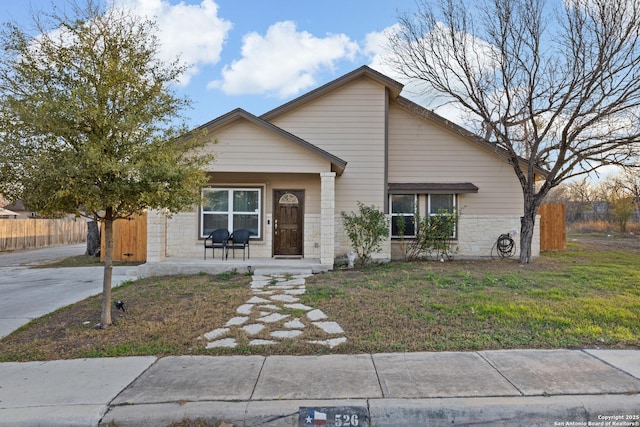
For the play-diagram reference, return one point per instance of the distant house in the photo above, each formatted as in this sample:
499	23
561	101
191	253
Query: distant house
287	175
18	210
6	213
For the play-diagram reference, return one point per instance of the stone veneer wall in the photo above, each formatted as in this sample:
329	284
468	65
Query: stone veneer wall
478	233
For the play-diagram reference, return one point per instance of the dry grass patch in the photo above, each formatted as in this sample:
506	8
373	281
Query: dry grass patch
587	296
163	317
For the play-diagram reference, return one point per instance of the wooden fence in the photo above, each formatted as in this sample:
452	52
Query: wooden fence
29	233
553	229
129	239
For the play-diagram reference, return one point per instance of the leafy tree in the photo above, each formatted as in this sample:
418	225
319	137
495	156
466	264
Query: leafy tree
555	87
629	181
366	230
618	191
87	122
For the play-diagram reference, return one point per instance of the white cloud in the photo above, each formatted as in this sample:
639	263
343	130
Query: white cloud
194	33
378	49
283	62
376	46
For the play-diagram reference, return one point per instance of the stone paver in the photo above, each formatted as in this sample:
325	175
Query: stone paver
226	342
329	327
316	315
286	334
284	298
299	306
294	324
236	321
244	309
264	317
273	318
253	328
212	335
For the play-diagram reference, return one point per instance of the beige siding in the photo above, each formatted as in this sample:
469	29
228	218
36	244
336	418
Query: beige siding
244	147
424	151
348	123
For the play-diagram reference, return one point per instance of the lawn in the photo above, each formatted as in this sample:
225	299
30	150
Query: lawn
586	296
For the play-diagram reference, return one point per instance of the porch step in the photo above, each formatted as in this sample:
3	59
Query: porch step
256	266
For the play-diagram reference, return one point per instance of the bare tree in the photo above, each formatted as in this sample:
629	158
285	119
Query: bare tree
589	197
556	87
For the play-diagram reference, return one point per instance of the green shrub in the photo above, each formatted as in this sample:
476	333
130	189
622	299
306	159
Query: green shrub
434	236
366	230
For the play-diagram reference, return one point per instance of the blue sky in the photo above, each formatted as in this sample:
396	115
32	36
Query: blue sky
256	54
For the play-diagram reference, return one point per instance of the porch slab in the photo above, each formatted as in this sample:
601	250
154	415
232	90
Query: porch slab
257	266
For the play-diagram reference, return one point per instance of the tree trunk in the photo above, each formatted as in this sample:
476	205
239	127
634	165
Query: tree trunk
93	239
105	318
527	228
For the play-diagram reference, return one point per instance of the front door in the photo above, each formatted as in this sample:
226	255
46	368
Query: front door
288	216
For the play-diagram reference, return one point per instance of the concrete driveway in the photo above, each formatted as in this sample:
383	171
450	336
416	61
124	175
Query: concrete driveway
27	293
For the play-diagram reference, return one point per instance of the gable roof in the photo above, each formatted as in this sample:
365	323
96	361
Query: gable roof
394	87
337	164
7	212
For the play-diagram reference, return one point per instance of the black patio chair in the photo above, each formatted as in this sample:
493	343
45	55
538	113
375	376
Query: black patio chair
217	239
240	240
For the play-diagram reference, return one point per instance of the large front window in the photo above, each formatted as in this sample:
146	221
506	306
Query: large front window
231	209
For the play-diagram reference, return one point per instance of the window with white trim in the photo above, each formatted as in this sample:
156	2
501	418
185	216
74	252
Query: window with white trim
437	204
231	209
403	207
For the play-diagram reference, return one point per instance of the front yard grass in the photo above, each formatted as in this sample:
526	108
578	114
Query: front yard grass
587	296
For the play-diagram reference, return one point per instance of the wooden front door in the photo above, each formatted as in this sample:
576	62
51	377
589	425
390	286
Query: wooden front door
288	219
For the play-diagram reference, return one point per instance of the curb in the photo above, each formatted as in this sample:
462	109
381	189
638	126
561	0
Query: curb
565	410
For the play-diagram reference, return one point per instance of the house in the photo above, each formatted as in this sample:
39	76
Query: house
18	210
6	213
287	175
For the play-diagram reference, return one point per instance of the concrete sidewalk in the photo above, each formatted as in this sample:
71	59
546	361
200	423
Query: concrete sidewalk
505	387
40	256
28	293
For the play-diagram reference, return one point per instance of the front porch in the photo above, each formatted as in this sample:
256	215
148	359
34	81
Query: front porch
263	266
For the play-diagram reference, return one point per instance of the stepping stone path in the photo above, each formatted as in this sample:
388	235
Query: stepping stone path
273	298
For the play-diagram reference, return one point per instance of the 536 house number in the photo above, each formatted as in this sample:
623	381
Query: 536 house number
345	420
